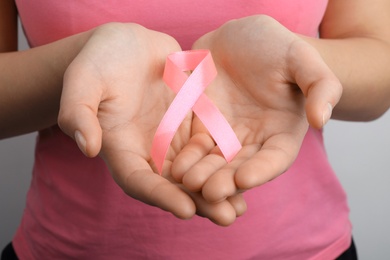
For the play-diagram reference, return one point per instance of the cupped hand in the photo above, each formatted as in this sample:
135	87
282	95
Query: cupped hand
112	102
270	86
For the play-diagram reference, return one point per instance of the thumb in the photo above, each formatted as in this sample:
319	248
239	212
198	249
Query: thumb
322	96
78	111
318	83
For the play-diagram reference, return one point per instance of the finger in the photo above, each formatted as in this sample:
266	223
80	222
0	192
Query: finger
320	86
221	185
134	176
154	190
222	213
321	99
239	204
78	112
198	174
274	158
197	148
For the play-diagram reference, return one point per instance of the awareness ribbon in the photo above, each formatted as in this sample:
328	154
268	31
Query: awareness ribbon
189	90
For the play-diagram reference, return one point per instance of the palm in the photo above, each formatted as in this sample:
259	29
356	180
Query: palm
256	89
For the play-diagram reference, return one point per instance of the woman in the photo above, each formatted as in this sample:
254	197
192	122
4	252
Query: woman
273	73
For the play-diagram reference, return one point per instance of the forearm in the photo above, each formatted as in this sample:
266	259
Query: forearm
31	85
361	65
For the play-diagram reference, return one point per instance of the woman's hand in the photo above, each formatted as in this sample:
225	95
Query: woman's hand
112	102
270	86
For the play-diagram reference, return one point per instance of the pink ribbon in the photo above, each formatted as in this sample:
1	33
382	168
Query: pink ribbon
189	96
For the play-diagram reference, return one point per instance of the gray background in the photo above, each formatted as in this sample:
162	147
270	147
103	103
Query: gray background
359	152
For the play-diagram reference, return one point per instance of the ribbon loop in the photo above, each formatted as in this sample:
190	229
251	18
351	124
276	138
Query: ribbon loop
189	96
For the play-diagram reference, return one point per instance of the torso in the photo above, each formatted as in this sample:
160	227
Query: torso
302	214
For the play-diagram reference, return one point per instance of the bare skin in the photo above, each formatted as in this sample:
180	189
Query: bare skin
261	61
278	95
260	66
112	102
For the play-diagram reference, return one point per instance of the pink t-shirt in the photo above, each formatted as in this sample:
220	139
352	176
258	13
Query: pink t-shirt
76	211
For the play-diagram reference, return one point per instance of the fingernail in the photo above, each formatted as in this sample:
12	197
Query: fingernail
327	114
80	140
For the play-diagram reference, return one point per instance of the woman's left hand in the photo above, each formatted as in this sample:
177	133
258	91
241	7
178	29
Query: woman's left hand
270	86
